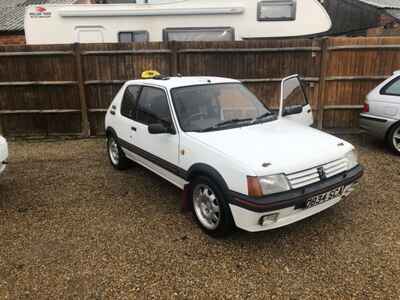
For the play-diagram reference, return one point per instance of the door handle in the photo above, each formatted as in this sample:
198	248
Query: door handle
133	128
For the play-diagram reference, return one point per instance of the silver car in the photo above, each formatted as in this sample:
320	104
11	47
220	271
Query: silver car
381	113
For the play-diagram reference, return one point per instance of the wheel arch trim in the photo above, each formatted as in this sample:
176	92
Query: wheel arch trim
207	170
390	128
111	130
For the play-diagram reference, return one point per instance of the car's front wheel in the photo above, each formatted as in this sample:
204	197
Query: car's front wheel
116	155
394	138
210	208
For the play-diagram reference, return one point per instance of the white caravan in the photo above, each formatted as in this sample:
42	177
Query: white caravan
185	20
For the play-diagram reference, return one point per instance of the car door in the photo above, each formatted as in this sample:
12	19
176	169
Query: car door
126	129
293	102
160	151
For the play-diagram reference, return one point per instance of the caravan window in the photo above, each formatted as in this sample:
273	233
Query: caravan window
199	34
277	10
133	36
89	34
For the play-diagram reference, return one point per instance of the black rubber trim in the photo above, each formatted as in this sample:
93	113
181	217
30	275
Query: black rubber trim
210	172
154	159
296	197
374	119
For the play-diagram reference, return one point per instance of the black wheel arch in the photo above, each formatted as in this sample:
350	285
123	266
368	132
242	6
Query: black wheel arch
201	169
388	132
111	132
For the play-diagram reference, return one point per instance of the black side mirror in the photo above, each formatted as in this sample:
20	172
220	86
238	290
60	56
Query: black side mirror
292	110
160	129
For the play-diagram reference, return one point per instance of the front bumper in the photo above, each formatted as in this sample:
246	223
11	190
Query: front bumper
290	206
376	126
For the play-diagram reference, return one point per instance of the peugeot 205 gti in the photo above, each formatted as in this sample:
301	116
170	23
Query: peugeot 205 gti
239	163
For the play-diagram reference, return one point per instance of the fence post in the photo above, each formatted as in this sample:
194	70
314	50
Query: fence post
174	58
322	81
85	126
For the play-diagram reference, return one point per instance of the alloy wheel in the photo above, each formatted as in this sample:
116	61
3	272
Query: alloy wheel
113	150
206	206
396	139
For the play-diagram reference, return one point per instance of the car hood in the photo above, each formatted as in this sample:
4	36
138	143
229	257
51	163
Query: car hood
285	146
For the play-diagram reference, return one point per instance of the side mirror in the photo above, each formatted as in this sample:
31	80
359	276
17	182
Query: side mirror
292	110
160	129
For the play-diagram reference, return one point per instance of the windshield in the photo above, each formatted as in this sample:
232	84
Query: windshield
216	106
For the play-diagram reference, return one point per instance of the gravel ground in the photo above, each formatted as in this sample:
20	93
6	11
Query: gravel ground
72	227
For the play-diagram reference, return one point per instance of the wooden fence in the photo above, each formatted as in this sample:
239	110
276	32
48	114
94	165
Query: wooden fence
66	89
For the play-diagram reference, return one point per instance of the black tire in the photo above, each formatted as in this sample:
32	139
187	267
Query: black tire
225	224
119	161
393	142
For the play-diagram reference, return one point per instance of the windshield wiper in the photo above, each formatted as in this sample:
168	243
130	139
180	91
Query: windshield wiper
224	123
263	116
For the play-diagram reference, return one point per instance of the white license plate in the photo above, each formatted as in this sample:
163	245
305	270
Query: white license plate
325	197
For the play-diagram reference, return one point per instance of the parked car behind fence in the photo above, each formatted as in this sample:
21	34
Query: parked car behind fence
381	113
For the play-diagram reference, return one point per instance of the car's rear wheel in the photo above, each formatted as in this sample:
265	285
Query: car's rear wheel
116	155
210	208
394	138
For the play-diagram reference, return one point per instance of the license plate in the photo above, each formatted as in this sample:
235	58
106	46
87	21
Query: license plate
325	197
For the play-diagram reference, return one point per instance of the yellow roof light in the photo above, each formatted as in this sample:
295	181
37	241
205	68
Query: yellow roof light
150	74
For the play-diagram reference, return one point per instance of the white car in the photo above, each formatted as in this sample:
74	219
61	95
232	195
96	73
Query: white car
238	162
3	154
381	113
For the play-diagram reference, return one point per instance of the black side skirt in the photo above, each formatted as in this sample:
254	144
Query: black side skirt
154	159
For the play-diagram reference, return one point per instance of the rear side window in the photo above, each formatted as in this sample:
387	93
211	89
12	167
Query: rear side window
277	10
129	102
133	37
153	107
210	34
392	88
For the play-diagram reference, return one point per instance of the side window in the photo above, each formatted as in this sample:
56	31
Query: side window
293	93
276	10
128	105
133	37
199	34
153	107
392	88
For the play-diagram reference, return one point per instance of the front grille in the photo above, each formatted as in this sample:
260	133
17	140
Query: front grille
310	176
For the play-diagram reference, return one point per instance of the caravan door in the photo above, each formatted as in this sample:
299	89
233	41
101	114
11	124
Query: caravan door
293	102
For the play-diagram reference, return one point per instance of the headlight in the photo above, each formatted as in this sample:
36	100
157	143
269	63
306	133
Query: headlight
352	159
267	185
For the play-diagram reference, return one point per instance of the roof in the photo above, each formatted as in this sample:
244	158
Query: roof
394	13
392	7
12	12
383	3
175	82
